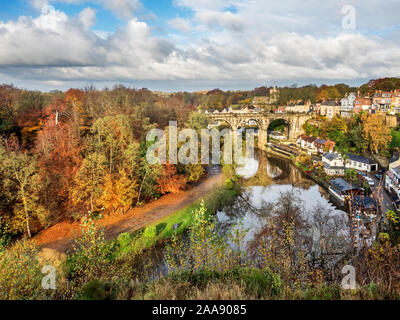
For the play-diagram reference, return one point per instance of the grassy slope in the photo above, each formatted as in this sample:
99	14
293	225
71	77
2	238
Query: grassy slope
182	217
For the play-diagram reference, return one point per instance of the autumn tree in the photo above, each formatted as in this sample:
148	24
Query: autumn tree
122	189
88	182
9	96
21	188
376	133
323	95
74	98
112	135
59	147
170	181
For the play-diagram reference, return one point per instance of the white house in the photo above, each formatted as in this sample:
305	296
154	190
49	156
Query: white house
392	180
334	164
360	163
307	143
347	105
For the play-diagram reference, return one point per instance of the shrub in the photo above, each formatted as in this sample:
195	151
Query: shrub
305	160
124	239
20	273
229	184
96	290
150	232
92	255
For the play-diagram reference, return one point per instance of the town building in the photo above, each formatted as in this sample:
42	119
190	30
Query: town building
347	105
363	208
394	161
299	107
396	102
392	181
307	143
324	145
362	104
330	109
260	101
341	189
382	100
334	164
315	145
361	163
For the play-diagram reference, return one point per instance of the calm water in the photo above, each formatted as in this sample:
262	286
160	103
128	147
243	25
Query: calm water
272	177
263	180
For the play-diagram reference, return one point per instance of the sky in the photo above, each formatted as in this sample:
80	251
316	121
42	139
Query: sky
189	45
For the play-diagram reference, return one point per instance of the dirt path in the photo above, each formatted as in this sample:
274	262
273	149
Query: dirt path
59	236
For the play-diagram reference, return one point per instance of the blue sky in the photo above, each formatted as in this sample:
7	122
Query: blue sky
175	45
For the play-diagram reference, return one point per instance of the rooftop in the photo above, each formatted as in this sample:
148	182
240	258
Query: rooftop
343	185
361	159
364	202
332	156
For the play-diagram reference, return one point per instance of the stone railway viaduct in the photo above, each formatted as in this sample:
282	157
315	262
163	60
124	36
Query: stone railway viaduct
294	122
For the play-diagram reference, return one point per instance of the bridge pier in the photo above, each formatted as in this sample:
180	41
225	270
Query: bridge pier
262	138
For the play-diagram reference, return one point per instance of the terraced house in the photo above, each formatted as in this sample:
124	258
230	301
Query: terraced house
382	100
392	180
347	105
330	109
335	164
362	104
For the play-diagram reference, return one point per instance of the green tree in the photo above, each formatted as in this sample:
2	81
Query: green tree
356	136
395	143
21	185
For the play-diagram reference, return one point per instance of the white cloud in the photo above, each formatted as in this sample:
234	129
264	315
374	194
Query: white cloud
181	24
88	17
124	9
228	41
39	4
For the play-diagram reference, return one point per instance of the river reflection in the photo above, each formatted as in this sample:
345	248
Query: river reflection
261	187
261	190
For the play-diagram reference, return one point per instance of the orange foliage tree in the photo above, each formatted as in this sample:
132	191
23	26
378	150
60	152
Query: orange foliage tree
170	181
59	147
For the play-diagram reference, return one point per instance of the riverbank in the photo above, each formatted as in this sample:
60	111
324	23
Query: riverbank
59	237
163	229
306	172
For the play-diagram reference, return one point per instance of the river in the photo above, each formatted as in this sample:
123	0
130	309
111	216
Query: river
263	180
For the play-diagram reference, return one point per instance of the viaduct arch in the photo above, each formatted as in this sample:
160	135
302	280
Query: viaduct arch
294	122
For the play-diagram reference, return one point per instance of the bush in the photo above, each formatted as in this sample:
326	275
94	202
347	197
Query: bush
96	290
20	273
256	282
229	184
305	160
150	232
324	292
124	239
92	255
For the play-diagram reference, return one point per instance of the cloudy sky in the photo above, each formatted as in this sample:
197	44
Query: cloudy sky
176	45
